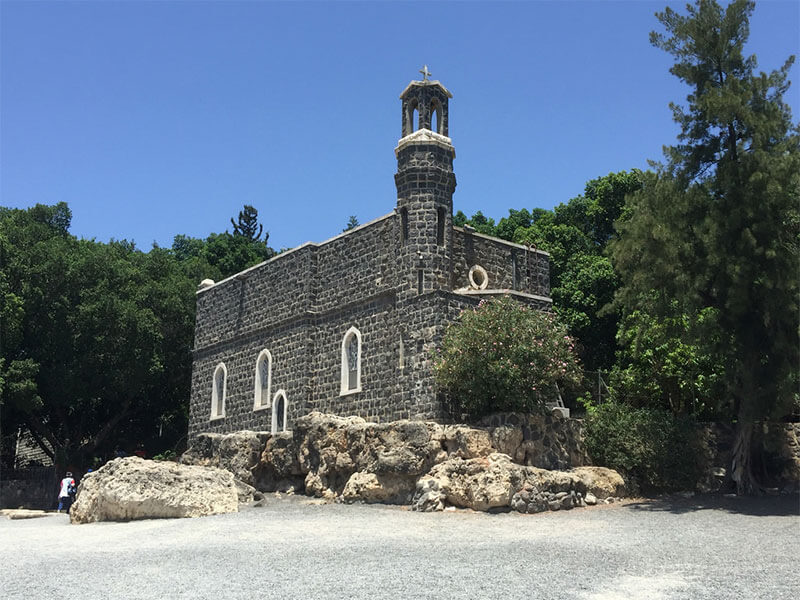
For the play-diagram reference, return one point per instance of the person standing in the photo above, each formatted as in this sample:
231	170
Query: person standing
66	493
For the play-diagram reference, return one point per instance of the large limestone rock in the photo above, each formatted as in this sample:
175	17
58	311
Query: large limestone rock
467	442
133	488
495	482
477	483
279	469
239	452
332	449
484	468
602	482
371	488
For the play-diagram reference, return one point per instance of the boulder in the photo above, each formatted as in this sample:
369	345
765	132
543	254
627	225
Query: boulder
134	488
332	449
495	482
508	440
601	482
279	468
238	452
467	442
372	487
476	483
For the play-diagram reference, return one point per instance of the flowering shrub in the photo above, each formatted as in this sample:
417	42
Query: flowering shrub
503	356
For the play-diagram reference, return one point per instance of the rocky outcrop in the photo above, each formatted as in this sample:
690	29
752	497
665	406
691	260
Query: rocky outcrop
501	465
333	449
601	482
133	488
238	452
495	482
278	469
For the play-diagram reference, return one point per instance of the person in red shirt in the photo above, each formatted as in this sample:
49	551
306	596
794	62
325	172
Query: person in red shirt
66	493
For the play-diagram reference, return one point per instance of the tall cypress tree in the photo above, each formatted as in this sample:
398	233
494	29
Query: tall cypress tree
716	230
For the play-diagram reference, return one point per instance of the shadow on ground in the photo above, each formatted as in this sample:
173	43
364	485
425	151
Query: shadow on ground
764	506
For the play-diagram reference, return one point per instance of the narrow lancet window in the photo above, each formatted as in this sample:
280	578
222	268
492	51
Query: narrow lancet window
218	390
351	362
440	226
279	408
263	380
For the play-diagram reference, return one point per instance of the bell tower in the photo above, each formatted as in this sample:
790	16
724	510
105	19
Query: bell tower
425	184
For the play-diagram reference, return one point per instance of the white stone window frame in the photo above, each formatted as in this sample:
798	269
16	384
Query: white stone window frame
344	389
217	401
264	357
478	277
274	423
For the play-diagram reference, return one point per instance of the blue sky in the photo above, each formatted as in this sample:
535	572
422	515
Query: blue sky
157	118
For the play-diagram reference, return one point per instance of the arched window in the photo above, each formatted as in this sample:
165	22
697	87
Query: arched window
218	388
263	380
351	362
436	117
404	224
440	214
412	117
279	405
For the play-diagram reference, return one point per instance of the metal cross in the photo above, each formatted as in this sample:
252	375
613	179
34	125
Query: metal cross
425	73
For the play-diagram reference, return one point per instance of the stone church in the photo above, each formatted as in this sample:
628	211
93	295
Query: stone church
348	326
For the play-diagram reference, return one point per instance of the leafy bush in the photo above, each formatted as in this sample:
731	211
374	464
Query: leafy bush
166	455
655	449
503	356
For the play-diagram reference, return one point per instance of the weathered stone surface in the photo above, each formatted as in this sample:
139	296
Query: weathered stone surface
496	482
478	483
239	452
467	442
547	441
507	439
133	488
372	487
279	468
23	513
332	449
349	458
601	482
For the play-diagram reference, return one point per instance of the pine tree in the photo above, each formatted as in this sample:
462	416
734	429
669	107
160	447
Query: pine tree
716	230
352	223
247	225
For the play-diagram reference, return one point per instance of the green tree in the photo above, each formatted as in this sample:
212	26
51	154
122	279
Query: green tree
508	226
503	356
663	365
717	227
582	279
98	350
352	223
247	225
478	222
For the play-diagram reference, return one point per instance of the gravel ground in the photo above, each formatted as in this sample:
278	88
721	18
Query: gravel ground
700	548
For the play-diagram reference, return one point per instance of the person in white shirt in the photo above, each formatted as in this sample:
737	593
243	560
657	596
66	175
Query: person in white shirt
66	492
